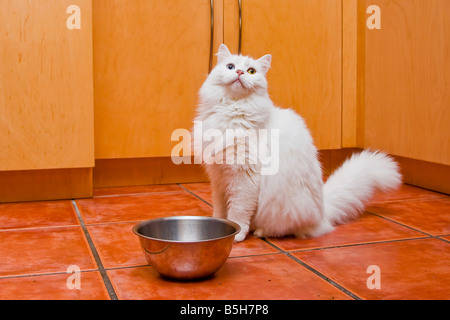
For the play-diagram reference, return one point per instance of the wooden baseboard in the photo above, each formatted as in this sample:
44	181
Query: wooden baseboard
51	184
144	171
33	185
332	159
428	175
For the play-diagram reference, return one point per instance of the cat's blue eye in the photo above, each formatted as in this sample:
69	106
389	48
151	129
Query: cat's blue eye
230	66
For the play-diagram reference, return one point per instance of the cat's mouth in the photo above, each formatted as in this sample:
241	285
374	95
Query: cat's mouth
237	82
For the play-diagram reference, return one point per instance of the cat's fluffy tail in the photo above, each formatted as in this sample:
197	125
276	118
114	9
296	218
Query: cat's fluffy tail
351	186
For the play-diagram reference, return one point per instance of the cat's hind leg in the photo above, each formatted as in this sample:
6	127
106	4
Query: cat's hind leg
259	233
323	227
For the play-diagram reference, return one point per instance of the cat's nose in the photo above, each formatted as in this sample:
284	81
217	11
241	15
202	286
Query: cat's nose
239	72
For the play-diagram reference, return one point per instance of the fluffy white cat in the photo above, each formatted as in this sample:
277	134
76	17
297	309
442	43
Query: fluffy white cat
294	200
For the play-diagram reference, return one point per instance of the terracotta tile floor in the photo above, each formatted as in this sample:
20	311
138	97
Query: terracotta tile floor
404	237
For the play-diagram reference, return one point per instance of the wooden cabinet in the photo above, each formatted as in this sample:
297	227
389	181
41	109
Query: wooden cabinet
46	99
46	87
304	38
407	80
150	59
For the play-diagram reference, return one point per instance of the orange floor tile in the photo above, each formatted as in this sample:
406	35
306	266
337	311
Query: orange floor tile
398	249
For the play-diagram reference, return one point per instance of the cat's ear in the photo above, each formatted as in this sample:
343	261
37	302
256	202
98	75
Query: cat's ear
223	53
265	61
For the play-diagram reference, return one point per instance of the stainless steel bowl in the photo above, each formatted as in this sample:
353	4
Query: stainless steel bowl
186	247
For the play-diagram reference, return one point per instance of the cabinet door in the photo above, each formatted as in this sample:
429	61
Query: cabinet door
304	38
46	85
407	80
150	59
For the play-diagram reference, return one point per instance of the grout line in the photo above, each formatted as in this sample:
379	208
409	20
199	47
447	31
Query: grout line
129	267
41	227
442	239
401	224
101	268
112	222
316	272
272	245
321	275
256	255
26	275
359	244
198	197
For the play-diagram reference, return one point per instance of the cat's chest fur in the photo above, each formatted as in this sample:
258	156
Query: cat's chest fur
245	114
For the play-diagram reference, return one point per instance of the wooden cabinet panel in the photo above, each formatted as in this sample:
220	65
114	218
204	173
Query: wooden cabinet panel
407	80
46	87
150	60
304	38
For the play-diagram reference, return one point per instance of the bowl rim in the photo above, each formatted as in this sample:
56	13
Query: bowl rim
226	221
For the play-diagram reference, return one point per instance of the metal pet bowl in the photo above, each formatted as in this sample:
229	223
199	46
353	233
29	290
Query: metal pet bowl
186	247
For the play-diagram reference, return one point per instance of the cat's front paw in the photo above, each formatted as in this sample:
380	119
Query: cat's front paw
243	232
240	237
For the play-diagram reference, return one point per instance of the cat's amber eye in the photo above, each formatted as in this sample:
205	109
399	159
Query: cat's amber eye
251	70
230	66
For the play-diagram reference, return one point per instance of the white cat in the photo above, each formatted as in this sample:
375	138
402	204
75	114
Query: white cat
294	200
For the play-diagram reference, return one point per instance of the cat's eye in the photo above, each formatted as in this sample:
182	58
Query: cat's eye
251	70
230	66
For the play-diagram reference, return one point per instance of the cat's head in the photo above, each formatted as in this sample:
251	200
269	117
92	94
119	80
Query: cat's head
240	76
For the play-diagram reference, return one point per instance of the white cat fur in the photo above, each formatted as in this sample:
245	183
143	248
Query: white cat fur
294	201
